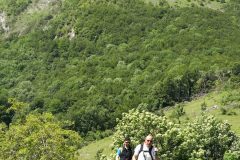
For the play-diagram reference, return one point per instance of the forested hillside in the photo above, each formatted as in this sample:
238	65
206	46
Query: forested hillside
89	61
94	60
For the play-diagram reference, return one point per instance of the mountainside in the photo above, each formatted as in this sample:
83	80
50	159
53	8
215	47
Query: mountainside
90	61
120	68
214	103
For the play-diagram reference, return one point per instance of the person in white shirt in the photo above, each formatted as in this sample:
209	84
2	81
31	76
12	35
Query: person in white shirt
145	151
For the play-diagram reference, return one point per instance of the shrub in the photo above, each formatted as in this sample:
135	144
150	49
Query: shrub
205	138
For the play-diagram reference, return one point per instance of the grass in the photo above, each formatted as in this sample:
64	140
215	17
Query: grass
192	109
31	17
89	152
233	120
214	104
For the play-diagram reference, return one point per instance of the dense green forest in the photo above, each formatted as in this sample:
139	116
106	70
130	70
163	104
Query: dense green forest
87	62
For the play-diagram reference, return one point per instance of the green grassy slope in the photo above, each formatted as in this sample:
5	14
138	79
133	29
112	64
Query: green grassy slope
89	152
25	16
215	103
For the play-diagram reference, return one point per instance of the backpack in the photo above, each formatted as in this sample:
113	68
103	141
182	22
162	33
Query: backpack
150	150
126	154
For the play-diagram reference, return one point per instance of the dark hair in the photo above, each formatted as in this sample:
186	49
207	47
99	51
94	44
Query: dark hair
126	139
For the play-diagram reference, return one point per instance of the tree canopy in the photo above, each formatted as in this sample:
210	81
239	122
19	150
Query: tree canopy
90	61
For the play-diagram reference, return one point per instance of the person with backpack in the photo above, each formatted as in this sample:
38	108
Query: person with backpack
145	151
125	152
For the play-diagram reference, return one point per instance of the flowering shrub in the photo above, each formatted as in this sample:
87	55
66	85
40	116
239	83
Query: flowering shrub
234	152
205	138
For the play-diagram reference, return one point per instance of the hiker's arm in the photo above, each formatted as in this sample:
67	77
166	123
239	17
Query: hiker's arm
118	153
136	152
156	154
134	157
117	157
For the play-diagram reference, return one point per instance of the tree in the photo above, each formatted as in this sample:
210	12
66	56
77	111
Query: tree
40	136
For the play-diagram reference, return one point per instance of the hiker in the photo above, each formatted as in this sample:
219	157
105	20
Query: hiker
145	151
125	152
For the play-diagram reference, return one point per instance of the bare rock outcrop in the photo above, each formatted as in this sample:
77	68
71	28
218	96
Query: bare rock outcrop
3	23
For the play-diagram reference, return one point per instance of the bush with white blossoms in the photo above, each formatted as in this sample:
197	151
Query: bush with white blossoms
234	152
205	138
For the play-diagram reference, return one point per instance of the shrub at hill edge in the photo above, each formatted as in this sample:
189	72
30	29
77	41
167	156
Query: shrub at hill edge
205	138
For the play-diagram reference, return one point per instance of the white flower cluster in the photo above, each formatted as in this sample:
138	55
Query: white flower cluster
205	138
